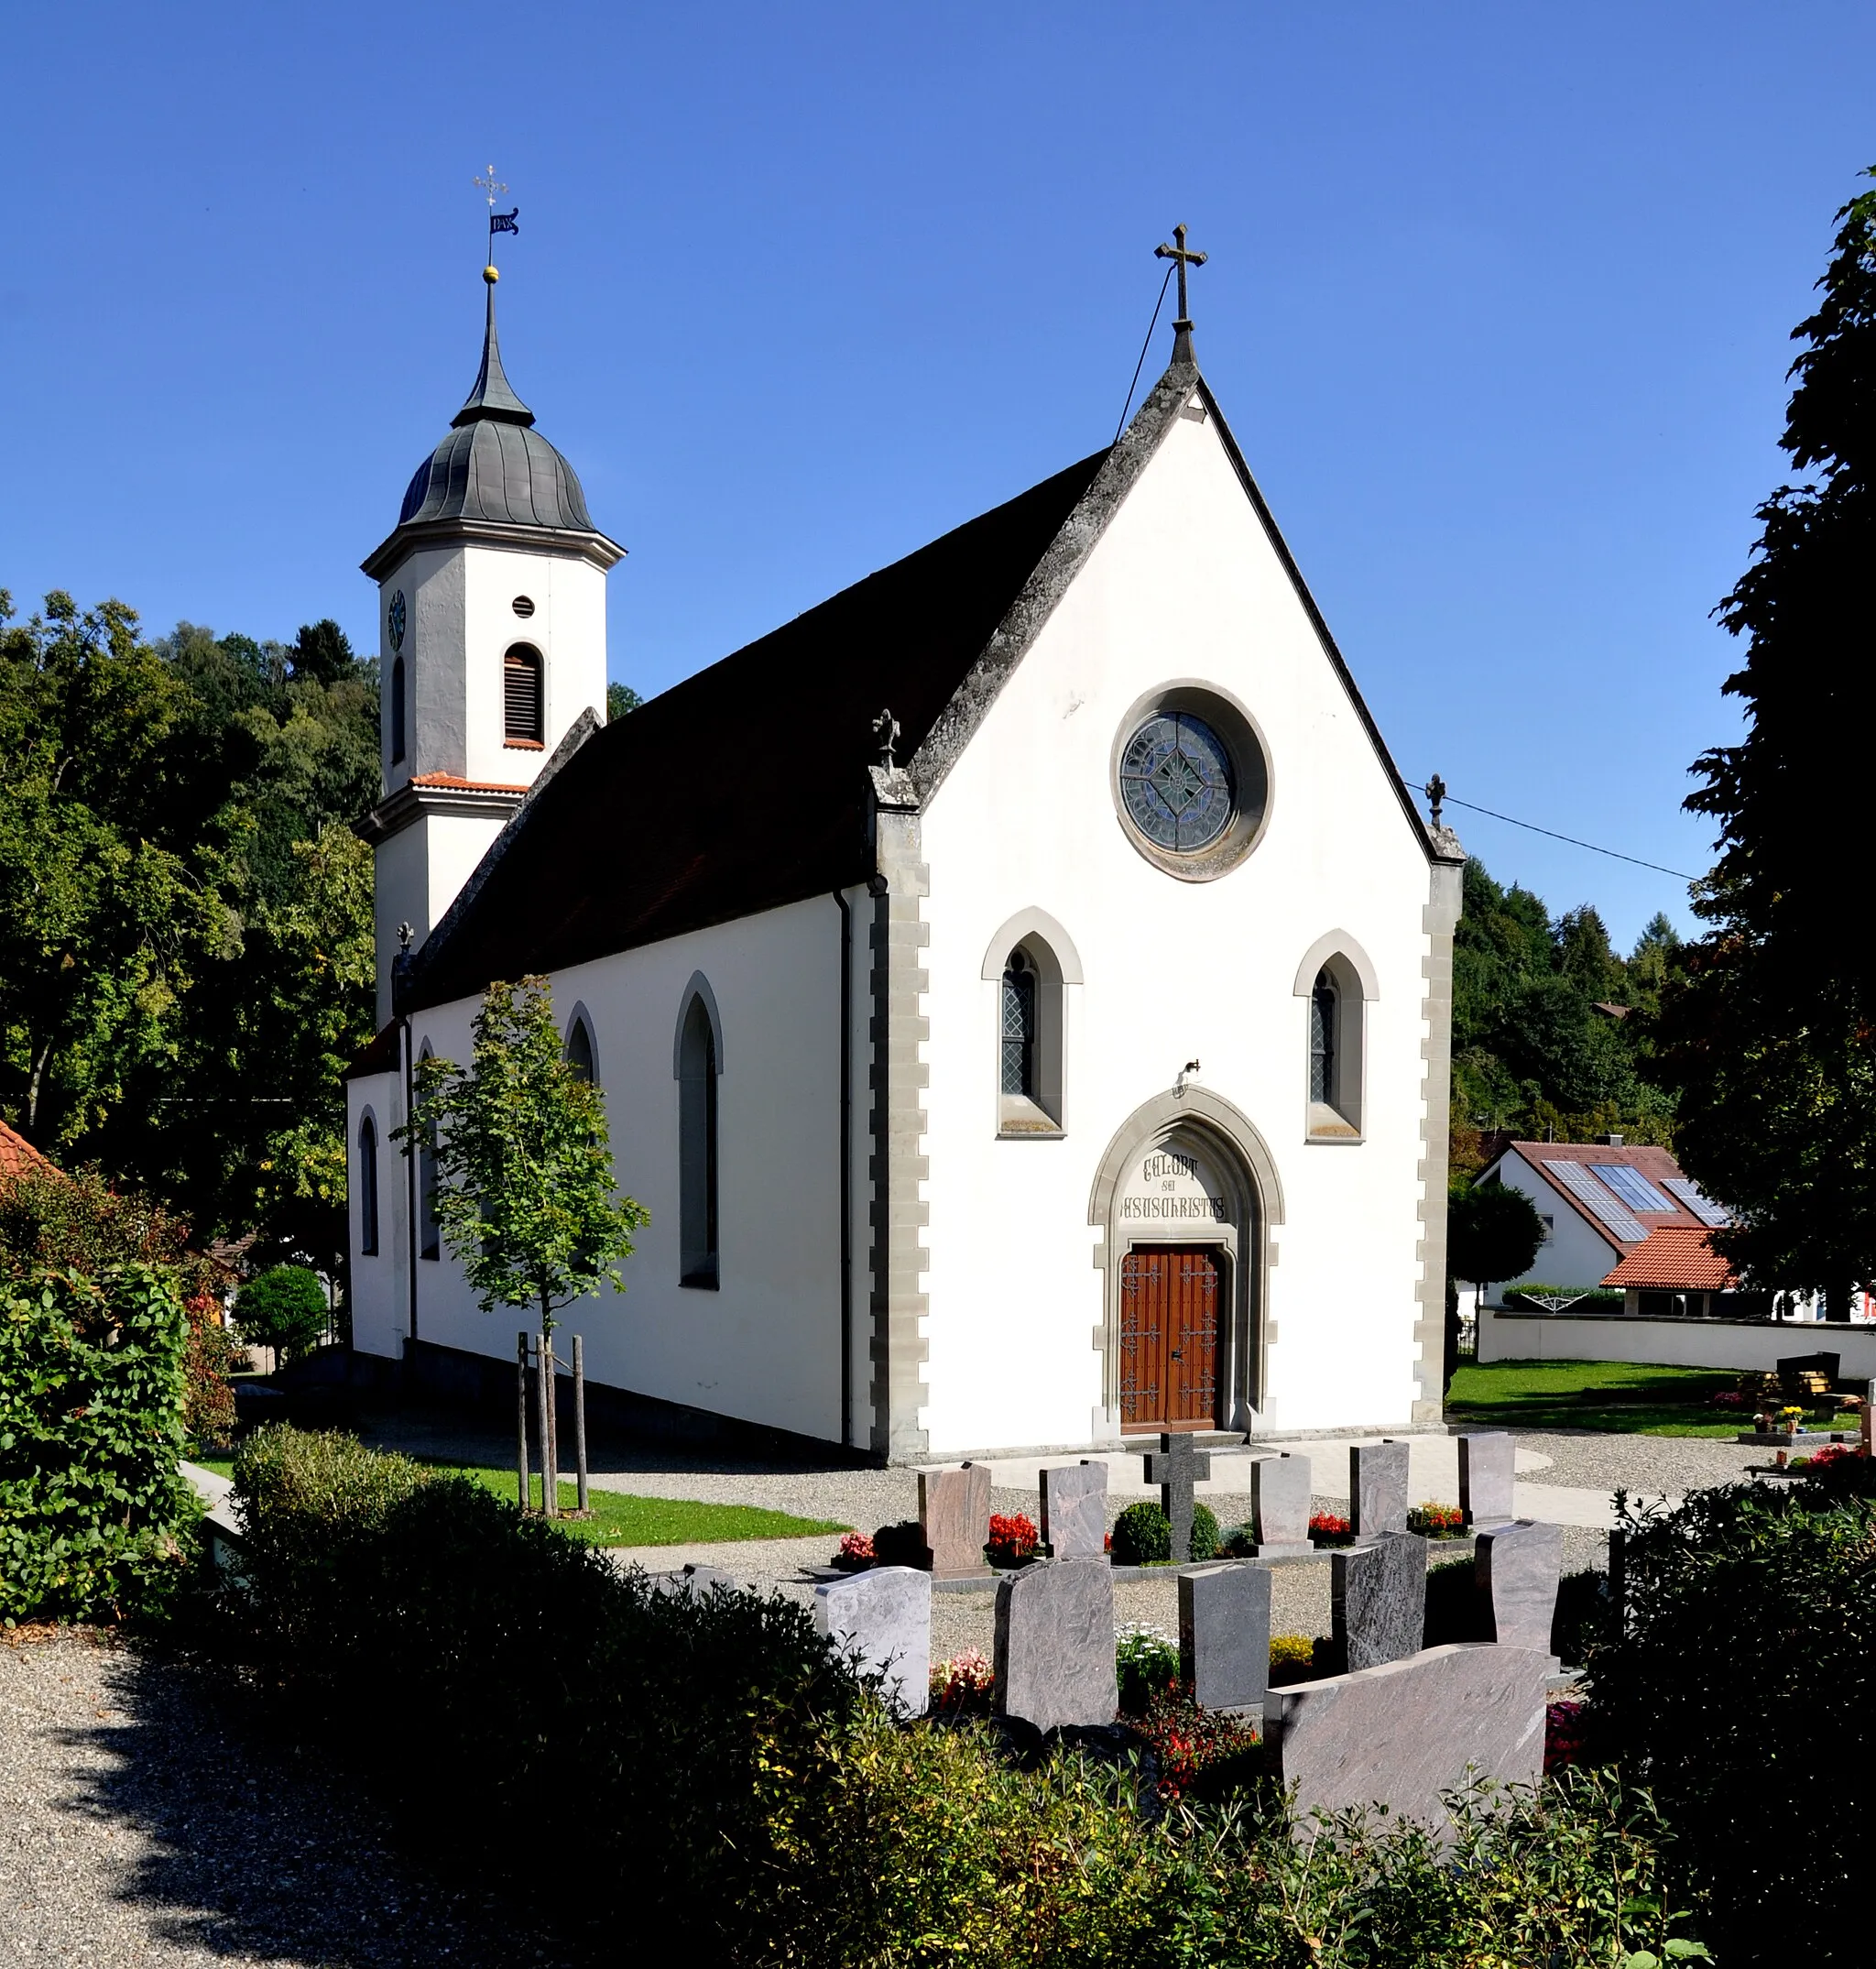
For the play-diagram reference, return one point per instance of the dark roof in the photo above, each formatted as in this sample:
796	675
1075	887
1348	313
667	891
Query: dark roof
492	466
745	786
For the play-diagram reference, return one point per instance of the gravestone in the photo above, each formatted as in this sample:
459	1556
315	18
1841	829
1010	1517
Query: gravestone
1401	1733
1519	1567
1377	1488
954	1517
1280	1505
1486	1463
1175	1467
1075	1510
1225	1635
1055	1651
1378	1599
883	1617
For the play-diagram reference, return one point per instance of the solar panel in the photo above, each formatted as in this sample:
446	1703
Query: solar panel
1599	1201
1697	1200
1632	1187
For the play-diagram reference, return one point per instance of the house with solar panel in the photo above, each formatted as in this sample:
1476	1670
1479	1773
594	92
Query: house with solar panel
1600	1203
1020	985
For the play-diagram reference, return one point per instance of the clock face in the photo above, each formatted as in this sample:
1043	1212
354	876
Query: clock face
396	619
1175	781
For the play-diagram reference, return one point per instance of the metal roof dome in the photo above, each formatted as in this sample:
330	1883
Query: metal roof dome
492	466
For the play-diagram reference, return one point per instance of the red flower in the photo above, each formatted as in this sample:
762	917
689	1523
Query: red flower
1012	1539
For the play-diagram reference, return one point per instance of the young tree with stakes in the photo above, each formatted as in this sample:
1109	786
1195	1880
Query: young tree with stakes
525	1194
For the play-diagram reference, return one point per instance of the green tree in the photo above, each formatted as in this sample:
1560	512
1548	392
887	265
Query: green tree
620	698
1770	1036
1493	1233
525	1194
284	1308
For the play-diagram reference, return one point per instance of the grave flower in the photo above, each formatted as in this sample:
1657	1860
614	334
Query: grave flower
1013	1540
961	1686
1436	1521
855	1553
1326	1528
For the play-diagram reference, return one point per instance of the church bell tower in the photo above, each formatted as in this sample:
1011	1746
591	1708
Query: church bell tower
492	623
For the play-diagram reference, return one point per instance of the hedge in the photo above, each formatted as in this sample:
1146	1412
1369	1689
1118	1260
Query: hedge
92	1509
702	1773
1742	1688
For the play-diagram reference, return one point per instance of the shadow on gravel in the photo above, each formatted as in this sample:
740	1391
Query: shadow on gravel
254	1851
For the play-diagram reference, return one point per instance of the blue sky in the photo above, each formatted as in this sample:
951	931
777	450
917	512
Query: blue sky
1497	305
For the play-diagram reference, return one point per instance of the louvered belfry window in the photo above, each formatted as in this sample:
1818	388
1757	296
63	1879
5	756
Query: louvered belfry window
521	695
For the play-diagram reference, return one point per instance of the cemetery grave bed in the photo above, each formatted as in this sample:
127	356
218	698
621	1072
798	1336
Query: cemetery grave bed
620	1518
1616	1396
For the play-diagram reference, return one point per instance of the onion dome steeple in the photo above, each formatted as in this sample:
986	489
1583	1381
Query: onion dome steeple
493	470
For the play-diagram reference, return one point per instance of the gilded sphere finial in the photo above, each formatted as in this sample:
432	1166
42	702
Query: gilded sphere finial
490	275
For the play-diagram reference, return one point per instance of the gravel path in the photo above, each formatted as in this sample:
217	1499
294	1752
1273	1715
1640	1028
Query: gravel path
145	1828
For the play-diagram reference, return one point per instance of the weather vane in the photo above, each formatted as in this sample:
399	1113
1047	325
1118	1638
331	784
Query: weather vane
499	222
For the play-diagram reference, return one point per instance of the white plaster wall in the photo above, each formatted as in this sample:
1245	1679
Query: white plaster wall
379	1283
1673	1342
765	1346
417	874
459	600
1575	1255
1184	585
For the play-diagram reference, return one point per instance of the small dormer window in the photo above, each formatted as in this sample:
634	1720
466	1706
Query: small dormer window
521	695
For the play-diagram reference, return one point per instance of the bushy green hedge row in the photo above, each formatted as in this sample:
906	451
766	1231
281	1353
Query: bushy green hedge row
702	1773
91	1426
1741	1690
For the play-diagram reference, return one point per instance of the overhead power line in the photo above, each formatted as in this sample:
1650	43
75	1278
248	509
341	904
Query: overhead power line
1615	854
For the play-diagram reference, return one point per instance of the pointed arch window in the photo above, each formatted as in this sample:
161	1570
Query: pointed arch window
580	1049
1324	1012
698	1068
1334	983
1019	1025
430	1238
367	1188
396	711
523	709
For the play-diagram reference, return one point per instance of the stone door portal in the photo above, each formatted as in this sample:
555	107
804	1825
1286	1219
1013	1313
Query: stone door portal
1169	1337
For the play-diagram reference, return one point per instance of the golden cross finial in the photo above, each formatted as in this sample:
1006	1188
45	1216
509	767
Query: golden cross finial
499	222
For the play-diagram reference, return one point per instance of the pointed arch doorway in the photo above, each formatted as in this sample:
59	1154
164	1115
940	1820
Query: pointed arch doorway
1185	1197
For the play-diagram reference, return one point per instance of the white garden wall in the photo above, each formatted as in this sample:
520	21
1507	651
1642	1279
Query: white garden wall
1736	1343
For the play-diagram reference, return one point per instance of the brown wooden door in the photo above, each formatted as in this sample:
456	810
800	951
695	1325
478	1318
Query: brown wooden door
1169	1338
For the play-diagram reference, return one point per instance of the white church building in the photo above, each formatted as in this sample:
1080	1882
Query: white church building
1019	985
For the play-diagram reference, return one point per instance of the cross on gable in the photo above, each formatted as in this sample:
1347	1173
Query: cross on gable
1175	1467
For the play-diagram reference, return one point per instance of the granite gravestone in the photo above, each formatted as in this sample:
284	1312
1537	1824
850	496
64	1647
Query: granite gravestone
1075	1510
1485	1477
1400	1734
1054	1652
954	1517
883	1618
1225	1635
1378	1599
1377	1488
1176	1468
1280	1505
1519	1567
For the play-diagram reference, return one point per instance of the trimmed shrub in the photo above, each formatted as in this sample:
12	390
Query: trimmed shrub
285	1307
1745	1668
1143	1536
1293	1659
1452	1609
1204	1532
901	1545
91	1510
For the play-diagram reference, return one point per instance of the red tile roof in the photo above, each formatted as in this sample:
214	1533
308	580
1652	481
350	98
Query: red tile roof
16	1153
454	784
1676	1258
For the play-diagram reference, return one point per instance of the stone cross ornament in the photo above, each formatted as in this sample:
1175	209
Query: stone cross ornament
1175	1467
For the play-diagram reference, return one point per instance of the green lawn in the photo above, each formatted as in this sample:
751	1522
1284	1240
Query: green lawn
620	1518
1602	1394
